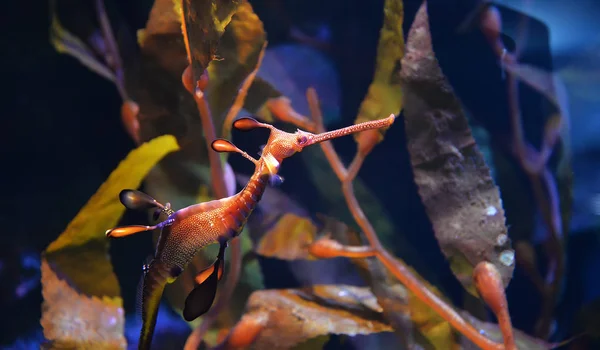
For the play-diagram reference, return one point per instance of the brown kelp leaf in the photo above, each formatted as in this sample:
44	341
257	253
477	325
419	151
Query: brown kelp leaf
384	95
287	240
455	185
204	24
295	316
492	331
76	268
72	320
413	321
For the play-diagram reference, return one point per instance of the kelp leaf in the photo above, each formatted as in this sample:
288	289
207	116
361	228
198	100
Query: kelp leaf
204	24
66	43
298	315
239	51
288	238
104	209
384	95
82	302
413	321
164	18
492	331
72	320
454	183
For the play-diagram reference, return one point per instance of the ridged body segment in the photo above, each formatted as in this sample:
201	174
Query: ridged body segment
202	224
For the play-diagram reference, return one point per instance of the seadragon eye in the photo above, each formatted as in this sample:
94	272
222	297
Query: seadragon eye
301	140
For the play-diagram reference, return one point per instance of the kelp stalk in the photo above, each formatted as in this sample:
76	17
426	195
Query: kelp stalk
220	191
399	269
219	188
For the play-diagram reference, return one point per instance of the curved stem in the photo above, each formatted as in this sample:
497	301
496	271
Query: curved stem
398	268
220	191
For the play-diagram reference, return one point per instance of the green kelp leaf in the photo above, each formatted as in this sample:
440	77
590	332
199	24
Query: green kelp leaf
298	315
239	51
205	22
454	183
66	43
385	94
82	303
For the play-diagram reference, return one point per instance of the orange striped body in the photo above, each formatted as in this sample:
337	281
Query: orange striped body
194	228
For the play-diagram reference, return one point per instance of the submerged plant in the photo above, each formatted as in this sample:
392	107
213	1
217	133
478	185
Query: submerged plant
210	53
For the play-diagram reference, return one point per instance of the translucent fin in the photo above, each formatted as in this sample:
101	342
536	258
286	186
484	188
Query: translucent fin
201	298
261	149
137	200
124	231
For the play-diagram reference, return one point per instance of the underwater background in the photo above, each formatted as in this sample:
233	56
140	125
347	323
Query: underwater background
491	167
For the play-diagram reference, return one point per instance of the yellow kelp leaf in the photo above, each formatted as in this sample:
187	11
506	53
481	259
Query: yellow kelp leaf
288	239
294	316
429	323
82	305
384	95
104	209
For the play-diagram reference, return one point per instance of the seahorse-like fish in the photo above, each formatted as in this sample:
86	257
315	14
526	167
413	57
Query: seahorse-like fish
186	231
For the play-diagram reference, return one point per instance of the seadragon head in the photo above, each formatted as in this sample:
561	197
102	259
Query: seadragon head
282	144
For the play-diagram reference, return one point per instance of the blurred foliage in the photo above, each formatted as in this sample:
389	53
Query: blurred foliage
203	25
77	277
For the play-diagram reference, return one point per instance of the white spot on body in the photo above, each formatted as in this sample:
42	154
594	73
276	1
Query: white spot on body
501	239
507	257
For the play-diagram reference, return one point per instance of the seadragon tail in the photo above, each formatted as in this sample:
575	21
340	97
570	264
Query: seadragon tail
155	280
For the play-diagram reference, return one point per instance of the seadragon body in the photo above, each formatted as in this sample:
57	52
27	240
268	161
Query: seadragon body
188	230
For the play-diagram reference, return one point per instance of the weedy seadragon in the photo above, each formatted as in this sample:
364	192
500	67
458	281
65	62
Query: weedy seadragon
186	231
